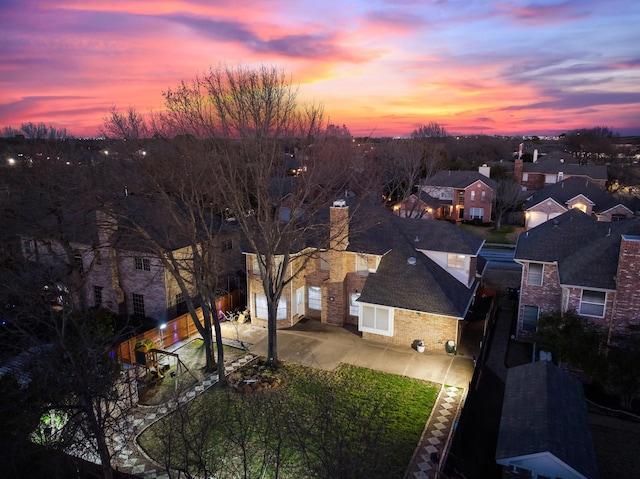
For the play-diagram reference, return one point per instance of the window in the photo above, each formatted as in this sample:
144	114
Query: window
530	319
476	213
456	261
376	319
28	246
298	305
354	306
324	261
138	305
592	303
315	297
143	264
534	275
362	266
97	296
255	265
227	245
461	197
262	310
618	217
525	176
181	305
473	195
549	179
483	195
77	262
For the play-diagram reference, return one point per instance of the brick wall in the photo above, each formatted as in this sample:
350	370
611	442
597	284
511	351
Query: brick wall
478	187
616	210
627	303
409	326
547	297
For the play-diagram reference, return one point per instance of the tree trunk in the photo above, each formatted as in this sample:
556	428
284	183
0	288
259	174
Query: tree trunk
272	340
222	378
207	336
101	442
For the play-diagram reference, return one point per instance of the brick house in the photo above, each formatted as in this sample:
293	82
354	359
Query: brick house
574	192
577	263
537	175
463	195
116	270
419	205
398	280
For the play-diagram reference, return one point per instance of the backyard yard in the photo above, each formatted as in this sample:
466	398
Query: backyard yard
296	422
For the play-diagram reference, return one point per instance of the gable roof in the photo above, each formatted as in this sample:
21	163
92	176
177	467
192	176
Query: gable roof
585	250
458	179
544	410
566	190
418	284
555	166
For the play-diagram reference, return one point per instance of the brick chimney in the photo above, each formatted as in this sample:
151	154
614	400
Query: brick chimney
334	296
518	168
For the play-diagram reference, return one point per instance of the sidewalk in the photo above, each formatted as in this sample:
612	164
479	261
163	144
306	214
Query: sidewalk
318	345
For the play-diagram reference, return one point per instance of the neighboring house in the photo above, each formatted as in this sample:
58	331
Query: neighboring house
544	429
397	279
536	175
574	192
574	262
464	195
418	205
117	270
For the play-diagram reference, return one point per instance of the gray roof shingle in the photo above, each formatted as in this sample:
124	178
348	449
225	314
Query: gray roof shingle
544	410
554	166
458	179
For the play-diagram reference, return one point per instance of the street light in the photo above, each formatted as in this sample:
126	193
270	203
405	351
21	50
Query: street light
163	326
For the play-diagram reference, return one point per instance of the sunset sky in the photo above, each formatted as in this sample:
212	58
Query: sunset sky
380	67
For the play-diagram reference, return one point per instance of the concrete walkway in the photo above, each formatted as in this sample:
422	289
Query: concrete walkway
318	345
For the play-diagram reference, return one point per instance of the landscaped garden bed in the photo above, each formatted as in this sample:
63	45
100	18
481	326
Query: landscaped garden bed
300	422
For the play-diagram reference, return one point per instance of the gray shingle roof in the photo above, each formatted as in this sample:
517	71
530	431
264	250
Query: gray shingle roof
568	189
544	410
458	179
554	166
585	250
423	286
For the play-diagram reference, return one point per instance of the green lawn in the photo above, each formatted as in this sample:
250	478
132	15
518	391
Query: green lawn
351	422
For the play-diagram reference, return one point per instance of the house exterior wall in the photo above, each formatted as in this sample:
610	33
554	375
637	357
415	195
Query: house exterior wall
542	212
413	207
547	297
616	210
151	284
477	202
409	326
627	301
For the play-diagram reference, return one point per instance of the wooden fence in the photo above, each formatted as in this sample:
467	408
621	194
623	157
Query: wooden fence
174	331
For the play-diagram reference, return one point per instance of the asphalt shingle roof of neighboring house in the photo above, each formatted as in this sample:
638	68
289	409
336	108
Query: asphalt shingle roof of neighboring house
554	166
458	179
544	410
416	284
568	189
585	250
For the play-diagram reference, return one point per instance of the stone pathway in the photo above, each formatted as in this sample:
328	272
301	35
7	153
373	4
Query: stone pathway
436	435
130	457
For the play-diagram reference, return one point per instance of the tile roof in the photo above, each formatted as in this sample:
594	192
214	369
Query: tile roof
585	250
458	179
544	410
568	189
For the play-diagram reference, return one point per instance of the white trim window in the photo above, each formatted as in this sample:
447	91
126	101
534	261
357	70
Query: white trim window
362	265
138	305
473	195
456	261
142	264
298	305
376	319
315	298
262	310
354	306
534	274
476	213
530	319
592	303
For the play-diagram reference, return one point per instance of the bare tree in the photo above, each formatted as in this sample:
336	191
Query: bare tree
127	125
509	196
247	124
432	130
